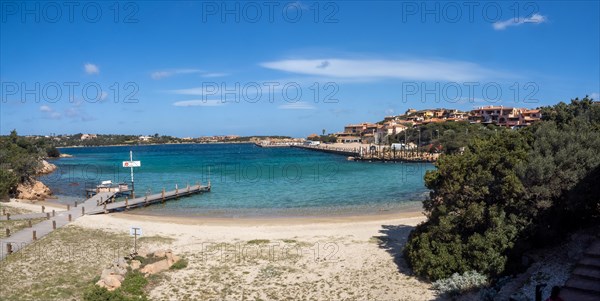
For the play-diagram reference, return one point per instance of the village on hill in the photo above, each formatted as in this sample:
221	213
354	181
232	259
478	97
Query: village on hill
368	132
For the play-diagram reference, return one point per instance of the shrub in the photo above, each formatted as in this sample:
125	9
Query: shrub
52	152
180	264
8	180
457	283
96	293
132	289
134	283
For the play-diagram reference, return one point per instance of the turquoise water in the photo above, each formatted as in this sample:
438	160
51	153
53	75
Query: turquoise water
246	180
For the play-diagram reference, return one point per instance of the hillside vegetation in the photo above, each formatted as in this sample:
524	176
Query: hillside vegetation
20	160
510	192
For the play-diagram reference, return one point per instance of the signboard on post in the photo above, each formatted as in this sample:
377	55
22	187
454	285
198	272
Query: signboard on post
132	163
135	231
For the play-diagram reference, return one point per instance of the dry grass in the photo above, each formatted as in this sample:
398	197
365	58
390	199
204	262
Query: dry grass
16	225
61	265
15	210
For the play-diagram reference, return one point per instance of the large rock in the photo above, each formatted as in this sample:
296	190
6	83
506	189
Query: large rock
46	168
161	265
156	267
135	264
110	282
113	275
171	258
35	191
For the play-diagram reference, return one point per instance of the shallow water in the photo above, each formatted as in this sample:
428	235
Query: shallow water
246	180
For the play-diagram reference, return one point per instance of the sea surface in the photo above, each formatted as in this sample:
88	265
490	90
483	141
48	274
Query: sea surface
246	180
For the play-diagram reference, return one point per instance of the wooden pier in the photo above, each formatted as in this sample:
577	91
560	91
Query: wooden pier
339	151
149	199
386	156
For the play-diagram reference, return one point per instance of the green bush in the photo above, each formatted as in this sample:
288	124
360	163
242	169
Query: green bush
96	293
134	283
132	289
8	180
510	192
52	152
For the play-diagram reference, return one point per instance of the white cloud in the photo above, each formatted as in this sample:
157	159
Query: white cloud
49	113
215	74
91	68
595	96
234	89
297	106
534	19
103	96
74	113
168	73
199	103
370	69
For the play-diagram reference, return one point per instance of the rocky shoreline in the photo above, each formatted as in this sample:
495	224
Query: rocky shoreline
35	190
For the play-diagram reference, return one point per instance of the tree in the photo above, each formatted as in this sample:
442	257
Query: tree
8	180
473	210
508	192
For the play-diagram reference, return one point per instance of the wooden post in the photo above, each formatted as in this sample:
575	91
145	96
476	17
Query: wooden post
7	232
3	211
43	209
105	208
68	207
75	204
53	225
47	215
53	213
34	235
7	216
69	217
9	248
29	223
163	195
82	211
176	191
188	187
126	203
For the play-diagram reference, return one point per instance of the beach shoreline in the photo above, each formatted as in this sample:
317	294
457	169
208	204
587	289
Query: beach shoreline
275	220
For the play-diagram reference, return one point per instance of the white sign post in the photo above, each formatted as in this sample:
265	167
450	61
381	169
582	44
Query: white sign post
135	231
131	164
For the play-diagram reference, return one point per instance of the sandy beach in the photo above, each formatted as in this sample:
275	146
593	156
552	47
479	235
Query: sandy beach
300	258
350	258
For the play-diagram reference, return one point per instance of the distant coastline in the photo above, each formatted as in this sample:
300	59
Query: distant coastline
150	144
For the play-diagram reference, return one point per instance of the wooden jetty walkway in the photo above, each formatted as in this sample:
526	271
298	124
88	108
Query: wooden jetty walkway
339	151
149	199
355	154
95	205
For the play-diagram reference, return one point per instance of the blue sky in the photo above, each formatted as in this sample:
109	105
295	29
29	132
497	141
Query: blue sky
193	69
